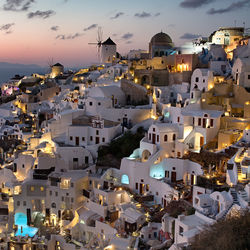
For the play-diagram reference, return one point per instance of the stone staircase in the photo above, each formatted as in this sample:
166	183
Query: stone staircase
243	195
239	170
235	201
235	196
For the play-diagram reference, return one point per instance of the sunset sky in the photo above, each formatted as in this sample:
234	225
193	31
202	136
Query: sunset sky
34	31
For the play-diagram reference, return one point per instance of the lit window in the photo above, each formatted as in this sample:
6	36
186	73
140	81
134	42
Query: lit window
32	189
42	189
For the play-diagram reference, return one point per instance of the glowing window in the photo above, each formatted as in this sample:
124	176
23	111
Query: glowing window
32	189
125	179
42	189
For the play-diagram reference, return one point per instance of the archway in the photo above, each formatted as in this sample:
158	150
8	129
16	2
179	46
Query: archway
145	155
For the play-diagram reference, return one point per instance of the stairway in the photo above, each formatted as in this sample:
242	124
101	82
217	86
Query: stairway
243	195
239	171
235	196
225	214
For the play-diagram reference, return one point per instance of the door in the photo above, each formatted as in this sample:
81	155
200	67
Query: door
86	160
153	138
28	216
192	179
141	188
97	140
173	176
77	141
204	123
201	141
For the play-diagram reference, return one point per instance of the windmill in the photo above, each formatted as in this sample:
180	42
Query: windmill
98	42
50	63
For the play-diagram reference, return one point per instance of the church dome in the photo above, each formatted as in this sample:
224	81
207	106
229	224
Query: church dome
162	38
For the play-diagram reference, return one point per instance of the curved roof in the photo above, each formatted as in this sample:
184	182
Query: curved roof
161	38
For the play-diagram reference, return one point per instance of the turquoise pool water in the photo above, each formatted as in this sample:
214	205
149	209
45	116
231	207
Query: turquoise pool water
23	228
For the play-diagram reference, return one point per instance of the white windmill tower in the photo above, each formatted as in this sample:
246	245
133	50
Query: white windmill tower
106	50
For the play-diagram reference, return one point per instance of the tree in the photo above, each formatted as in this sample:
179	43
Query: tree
230	234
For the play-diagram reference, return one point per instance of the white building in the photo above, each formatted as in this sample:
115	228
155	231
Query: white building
108	51
241	72
203	79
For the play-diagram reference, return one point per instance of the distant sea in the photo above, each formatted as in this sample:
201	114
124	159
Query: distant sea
9	70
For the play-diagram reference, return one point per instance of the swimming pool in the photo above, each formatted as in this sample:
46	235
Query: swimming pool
23	228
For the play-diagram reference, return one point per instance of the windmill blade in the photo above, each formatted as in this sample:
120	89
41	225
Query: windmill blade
93	43
99	34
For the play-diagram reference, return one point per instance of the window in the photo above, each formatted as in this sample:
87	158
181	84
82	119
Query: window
180	230
166	174
196	200
83	138
42	189
193	120
50	192
23	166
72	200
56	193
158	138
32	189
71	138
91	138
174	137
75	159
142	180
18	203
197	79
103	139
97	132
62	198
153	129
147	187
171	94
178	119
165	138
99	104
90	103
149	236
149	136
157	193
72	184
136	186
211	123
199	122
204	80
248	77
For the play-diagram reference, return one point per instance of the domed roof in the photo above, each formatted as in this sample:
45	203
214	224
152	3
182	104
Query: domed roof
161	38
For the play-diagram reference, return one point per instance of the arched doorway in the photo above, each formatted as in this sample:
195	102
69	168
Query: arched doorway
145	155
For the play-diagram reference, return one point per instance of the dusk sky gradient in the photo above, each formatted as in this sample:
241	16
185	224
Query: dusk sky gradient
130	23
